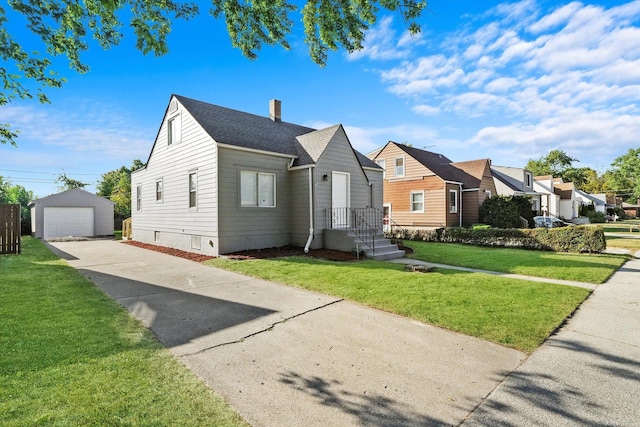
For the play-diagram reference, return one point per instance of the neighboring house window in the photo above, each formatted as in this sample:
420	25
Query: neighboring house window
174	130
138	197
453	201
159	190
193	189
528	178
383	164
257	189
417	201
399	163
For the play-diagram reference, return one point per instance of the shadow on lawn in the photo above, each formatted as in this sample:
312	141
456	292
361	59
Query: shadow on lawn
531	395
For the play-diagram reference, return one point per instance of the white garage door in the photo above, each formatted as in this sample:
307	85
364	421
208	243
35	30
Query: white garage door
64	222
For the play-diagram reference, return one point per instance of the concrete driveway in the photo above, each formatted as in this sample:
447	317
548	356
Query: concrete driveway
285	356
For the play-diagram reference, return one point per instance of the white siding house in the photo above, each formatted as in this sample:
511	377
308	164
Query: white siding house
219	180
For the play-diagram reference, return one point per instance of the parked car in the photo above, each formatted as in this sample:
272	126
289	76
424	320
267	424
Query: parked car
549	222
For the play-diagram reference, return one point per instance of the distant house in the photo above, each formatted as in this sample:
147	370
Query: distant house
426	189
563	199
74	212
632	211
220	180
597	201
511	181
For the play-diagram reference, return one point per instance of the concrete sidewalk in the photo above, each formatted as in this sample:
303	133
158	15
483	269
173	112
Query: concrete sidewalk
586	374
284	356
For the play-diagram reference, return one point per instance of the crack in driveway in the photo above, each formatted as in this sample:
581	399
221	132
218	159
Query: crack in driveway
273	325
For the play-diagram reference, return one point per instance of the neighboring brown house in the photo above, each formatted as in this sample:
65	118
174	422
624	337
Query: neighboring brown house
426	189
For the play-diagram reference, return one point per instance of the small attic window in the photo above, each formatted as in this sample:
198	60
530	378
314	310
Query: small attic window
173	106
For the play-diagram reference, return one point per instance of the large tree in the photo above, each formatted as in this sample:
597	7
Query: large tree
560	165
116	186
624	175
17	194
66	28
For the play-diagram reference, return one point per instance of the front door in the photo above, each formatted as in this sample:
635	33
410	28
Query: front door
386	218
340	200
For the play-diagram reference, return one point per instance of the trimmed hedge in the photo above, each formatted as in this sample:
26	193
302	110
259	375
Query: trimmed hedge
566	239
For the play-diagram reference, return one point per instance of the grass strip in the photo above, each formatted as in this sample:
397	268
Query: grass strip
623	243
588	268
515	313
73	357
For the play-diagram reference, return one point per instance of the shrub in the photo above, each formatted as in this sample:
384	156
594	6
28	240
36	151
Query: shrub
500	212
566	239
596	217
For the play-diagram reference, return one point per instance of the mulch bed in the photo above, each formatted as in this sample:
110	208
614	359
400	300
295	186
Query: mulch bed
285	251
170	251
327	254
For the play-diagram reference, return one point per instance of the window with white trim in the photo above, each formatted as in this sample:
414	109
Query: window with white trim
383	164
193	189
528	178
417	201
487	194
159	190
174	130
399	166
138	197
257	189
453	201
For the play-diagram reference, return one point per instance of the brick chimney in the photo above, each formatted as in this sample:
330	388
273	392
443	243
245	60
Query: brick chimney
274	110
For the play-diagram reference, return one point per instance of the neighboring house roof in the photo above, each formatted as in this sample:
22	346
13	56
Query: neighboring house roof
564	189
245	130
590	198
510	182
474	171
468	173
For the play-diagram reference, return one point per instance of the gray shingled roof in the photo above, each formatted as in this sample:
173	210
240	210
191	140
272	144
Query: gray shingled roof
510	182
240	129
439	164
227	126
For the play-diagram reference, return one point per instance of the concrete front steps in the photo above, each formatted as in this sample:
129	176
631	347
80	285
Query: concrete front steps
347	241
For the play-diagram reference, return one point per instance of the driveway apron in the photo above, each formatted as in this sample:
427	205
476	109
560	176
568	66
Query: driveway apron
286	356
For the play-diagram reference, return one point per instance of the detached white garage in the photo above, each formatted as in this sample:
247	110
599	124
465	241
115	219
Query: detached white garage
75	212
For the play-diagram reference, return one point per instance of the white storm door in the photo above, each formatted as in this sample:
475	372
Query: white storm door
340	200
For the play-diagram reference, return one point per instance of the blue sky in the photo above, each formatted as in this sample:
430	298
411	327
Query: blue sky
506	81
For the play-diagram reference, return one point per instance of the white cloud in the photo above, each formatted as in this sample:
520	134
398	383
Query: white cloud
96	129
426	110
382	43
565	77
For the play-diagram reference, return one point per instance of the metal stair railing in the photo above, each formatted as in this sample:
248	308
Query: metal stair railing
363	222
396	231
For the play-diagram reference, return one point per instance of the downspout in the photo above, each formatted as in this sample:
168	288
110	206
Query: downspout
460	205
306	247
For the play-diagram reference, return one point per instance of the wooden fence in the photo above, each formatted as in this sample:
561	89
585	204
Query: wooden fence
9	229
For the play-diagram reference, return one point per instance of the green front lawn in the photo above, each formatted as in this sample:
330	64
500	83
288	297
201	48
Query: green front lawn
516	313
551	265
624	243
71	356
